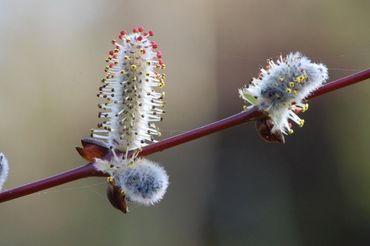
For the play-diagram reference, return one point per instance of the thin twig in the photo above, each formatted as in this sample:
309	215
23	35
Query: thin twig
249	115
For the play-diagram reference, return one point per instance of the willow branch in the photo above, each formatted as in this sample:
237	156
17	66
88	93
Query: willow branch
234	120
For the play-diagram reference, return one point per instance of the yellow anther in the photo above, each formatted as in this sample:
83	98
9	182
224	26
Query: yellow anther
148	63
133	67
122	72
295	92
161	83
301	123
290	131
126	58
134	78
147	74
110	179
163	66
245	107
291	84
305	107
288	90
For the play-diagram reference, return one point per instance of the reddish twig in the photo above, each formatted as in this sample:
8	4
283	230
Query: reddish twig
251	114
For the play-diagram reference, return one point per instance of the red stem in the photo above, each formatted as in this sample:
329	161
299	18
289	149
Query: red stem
251	114
342	82
43	184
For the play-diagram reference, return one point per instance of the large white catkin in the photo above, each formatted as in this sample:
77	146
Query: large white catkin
132	105
131	109
281	87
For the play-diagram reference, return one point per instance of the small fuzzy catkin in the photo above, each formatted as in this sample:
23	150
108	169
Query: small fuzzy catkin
4	170
145	182
281	88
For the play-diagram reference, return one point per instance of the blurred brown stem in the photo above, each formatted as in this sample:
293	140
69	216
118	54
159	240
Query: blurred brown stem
88	170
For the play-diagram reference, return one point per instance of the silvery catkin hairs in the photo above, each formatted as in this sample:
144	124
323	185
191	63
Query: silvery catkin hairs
131	109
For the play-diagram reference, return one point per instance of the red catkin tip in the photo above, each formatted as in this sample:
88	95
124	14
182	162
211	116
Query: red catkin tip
154	45
135	30
151	33
111	52
139	38
159	54
141	29
160	61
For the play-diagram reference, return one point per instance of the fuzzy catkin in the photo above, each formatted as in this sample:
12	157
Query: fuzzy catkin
144	183
281	87
130	112
132	104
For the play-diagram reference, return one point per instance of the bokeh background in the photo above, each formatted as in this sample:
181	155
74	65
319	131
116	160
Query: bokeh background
230	188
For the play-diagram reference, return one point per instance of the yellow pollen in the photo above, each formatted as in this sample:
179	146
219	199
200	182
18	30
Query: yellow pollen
110	179
290	131
291	84
288	90
305	107
295	92
161	83
126	58
133	67
301	123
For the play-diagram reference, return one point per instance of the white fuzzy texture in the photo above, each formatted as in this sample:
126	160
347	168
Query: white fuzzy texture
281	87
4	170
132	108
132	103
143	181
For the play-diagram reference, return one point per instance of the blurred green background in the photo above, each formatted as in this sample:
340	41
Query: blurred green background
227	189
